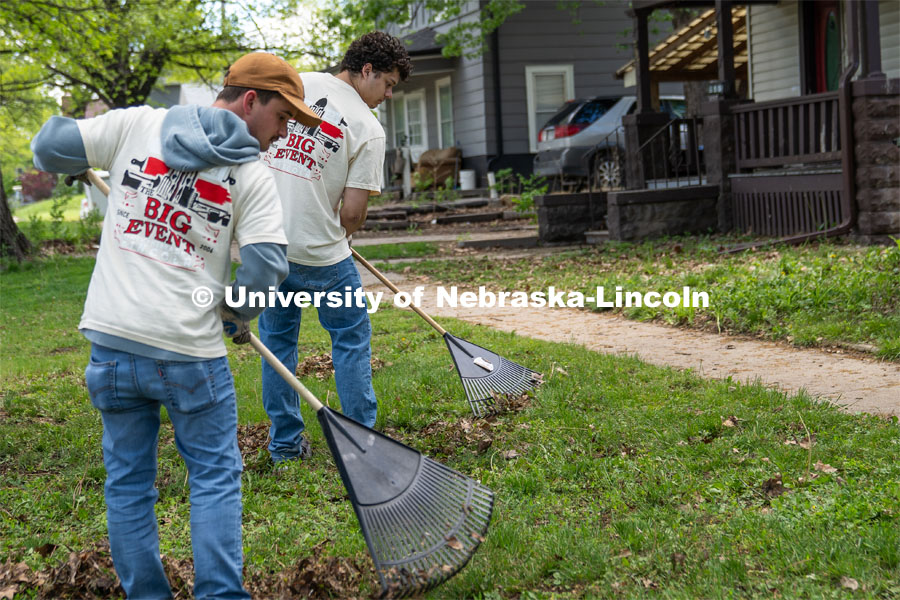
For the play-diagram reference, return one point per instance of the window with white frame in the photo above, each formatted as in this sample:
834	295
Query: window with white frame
408	110
547	88
444	97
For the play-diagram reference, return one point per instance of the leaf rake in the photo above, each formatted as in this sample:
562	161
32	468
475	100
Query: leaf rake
421	520
483	373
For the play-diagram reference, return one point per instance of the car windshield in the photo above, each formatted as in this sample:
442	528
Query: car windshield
591	111
567	109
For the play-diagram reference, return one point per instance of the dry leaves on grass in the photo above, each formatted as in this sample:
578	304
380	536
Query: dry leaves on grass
315	576
321	367
89	574
820	466
773	487
252	442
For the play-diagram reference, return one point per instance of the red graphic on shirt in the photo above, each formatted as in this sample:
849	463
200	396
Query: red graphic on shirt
169	203
306	150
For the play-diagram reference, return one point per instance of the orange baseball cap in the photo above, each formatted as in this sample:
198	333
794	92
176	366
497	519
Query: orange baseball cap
264	71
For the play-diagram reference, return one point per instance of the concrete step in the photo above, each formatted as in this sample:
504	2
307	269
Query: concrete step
376	215
470	217
374	225
526	241
596	237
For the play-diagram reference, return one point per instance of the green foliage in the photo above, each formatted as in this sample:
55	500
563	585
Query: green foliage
117	51
618	479
529	187
505	181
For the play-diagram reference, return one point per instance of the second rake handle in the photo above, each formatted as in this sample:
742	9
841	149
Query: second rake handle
396	290
285	373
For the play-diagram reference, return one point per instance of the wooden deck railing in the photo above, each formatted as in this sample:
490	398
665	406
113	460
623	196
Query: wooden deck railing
785	132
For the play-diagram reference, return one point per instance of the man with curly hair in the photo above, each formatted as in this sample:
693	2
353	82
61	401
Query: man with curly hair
324	175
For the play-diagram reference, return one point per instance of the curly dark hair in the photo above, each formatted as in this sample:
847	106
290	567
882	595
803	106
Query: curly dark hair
383	51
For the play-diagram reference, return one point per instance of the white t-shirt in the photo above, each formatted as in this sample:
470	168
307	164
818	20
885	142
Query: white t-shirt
165	256
313	165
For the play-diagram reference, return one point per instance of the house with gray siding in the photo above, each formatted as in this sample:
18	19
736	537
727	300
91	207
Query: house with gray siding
492	106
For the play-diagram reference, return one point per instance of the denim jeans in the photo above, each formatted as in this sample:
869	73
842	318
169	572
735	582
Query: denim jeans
351	353
128	390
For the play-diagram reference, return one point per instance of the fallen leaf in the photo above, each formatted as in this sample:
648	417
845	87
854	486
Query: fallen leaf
477	536
773	487
8	593
484	445
649	584
560	370
849	583
730	421
624	554
453	542
510	454
820	466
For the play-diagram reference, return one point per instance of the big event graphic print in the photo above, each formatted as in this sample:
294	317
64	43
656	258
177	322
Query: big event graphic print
307	150
173	217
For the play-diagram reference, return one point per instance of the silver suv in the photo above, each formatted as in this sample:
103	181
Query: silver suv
585	139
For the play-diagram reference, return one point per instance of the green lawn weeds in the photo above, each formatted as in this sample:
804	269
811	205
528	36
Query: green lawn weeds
615	479
820	294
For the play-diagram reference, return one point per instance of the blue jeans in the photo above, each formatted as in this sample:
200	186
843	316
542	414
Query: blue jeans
128	390
351	353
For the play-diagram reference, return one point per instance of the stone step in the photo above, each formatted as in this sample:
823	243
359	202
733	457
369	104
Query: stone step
376	215
513	215
470	217
596	237
374	225
526	241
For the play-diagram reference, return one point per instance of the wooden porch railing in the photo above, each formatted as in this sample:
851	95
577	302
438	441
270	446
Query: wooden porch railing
781	133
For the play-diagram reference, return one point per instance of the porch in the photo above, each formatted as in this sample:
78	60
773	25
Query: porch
785	168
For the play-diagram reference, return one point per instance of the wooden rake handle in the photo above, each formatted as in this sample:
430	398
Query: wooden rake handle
254	341
396	290
285	374
95	180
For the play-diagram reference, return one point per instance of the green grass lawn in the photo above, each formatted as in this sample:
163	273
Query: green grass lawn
71	209
617	479
407	250
815	295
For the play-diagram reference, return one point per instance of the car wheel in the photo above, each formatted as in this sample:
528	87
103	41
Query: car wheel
608	170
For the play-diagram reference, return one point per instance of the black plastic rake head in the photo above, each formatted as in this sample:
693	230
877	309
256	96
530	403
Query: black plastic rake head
422	521
485	374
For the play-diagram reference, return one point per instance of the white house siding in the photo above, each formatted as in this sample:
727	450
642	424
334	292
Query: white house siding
774	51
889	17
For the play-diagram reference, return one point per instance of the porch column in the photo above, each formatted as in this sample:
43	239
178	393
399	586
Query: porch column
719	153
645	121
871	33
726	47
642	61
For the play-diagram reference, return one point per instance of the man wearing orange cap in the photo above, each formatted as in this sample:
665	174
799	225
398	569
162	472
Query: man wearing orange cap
185	182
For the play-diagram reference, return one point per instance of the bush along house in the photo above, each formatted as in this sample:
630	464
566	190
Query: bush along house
797	138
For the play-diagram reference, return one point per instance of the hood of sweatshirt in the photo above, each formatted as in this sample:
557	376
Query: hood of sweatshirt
195	138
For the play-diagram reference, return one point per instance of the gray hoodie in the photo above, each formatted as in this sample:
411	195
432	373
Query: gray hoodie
194	138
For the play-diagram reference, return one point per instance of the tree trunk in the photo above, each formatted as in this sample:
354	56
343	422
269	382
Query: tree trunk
12	241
